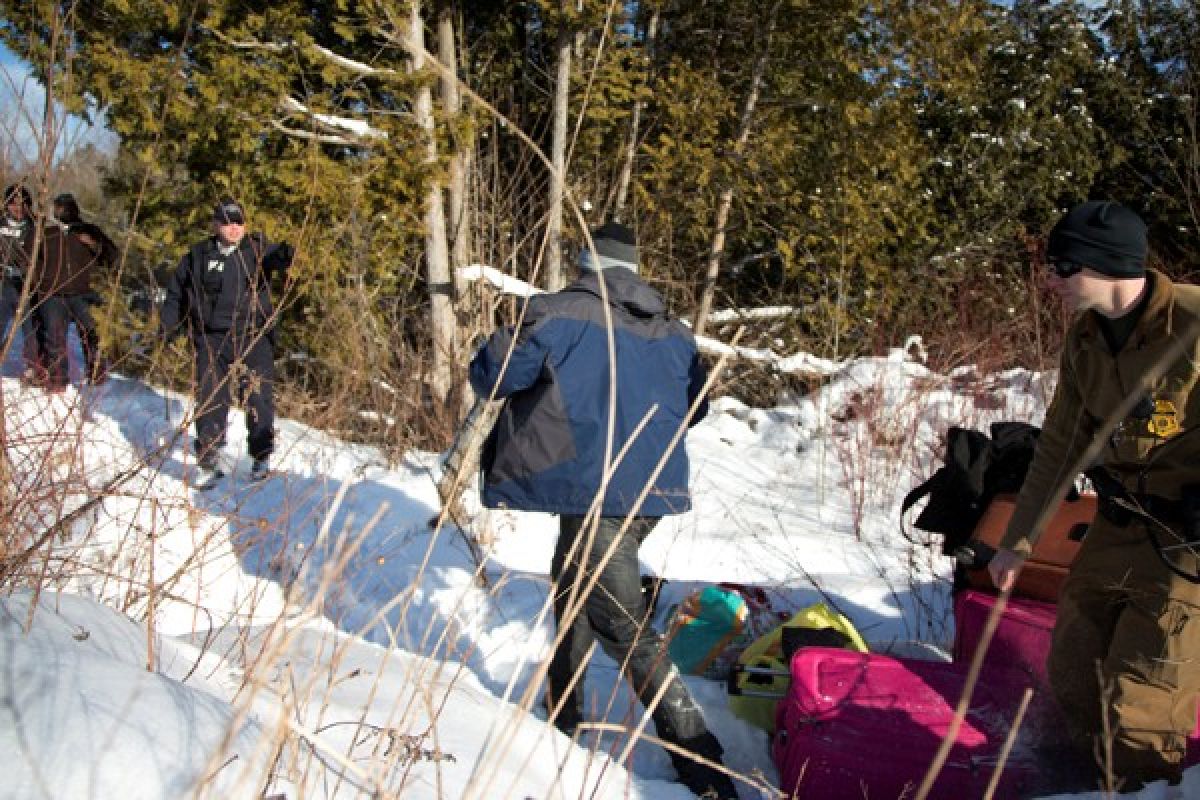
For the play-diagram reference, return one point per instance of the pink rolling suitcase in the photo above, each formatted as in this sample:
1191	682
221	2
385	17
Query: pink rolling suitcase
1022	642
1022	638
866	725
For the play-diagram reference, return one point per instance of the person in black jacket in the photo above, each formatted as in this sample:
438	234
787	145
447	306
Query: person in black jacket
16	241
221	293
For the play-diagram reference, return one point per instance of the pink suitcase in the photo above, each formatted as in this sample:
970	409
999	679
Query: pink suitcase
866	725
1022	642
1022	638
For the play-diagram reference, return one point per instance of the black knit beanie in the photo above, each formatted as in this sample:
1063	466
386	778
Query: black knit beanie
615	247
1106	237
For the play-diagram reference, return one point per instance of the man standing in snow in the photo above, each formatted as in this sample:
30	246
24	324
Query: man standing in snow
1125	656
221	292
16	241
583	434
71	252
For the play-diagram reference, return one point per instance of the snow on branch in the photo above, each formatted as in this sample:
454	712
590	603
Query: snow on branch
249	44
766	312
505	284
355	127
323	138
799	363
351	64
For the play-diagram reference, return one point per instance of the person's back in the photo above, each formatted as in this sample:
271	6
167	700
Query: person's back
564	424
555	431
66	263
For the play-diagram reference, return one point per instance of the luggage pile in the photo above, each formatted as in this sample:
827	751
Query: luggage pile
872	724
845	722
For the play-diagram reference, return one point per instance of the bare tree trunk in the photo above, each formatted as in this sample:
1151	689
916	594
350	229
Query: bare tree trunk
558	159
725	202
626	176
459	230
437	255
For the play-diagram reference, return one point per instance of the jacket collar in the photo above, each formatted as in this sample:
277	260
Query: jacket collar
1157	321
214	244
624	290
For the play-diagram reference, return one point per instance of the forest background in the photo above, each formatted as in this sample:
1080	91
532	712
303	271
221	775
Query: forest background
866	170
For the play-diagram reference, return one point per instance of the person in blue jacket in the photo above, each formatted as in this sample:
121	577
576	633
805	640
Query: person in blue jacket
583	434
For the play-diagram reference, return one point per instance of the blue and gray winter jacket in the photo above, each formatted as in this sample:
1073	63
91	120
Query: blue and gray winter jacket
547	450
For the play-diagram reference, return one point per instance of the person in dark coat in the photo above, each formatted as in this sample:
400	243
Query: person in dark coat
16	242
72	250
220	293
1124	662
551	451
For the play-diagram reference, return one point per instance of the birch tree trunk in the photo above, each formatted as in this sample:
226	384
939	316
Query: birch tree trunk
725	202
635	121
552	256
458	227
437	255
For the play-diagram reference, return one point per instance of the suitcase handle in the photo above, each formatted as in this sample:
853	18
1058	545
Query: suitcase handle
977	555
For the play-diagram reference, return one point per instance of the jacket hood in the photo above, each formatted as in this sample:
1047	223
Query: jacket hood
624	289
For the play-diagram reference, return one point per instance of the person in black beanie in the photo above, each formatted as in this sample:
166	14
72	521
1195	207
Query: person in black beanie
1124	664
550	451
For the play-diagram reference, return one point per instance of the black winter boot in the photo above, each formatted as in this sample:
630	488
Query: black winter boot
706	781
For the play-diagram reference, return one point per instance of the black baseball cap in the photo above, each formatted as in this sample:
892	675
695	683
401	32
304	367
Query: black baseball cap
228	211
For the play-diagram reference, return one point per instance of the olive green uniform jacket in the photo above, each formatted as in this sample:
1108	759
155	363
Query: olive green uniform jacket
1128	628
1157	456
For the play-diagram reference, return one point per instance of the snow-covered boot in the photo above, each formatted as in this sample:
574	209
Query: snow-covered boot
705	780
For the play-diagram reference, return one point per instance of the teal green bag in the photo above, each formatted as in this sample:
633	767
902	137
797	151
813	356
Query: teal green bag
704	626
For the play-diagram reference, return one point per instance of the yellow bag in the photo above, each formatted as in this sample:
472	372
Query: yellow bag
762	675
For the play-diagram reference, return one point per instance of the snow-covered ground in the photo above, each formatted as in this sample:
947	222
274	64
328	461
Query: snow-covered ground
180	634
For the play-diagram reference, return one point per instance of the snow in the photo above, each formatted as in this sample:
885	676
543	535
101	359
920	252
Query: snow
179	636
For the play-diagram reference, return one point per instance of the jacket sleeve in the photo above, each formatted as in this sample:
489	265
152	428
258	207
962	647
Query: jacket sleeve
277	257
1065	436
174	308
109	255
97	242
490	372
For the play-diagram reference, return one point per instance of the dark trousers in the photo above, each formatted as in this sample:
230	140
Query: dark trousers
233	359
614	615
10	298
53	315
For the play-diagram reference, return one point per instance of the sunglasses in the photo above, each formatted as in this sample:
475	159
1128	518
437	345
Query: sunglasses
1065	269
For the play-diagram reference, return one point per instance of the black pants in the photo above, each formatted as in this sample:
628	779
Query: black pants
234	359
614	615
10	297
53	316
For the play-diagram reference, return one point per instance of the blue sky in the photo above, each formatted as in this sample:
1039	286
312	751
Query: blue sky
21	107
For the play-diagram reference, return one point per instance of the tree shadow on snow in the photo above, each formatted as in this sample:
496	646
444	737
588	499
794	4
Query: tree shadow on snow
367	560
